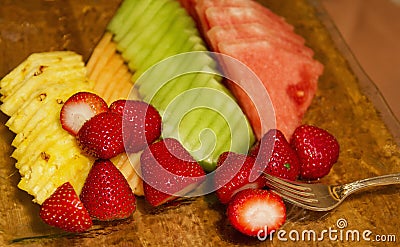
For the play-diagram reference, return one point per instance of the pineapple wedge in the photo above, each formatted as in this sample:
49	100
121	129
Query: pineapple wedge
32	95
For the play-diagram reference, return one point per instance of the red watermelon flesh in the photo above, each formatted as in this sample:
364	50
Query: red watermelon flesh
290	79
203	5
189	6
222	16
252	31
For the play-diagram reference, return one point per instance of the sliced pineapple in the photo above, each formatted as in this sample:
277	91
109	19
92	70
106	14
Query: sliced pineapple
32	95
38	69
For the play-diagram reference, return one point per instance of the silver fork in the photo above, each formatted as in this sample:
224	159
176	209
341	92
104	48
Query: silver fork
321	197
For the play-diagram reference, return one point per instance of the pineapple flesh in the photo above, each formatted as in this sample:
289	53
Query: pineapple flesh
32	95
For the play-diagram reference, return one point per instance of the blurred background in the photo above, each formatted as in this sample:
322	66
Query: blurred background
372	30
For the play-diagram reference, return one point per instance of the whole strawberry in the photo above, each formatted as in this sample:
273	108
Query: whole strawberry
168	171
101	136
317	150
277	156
234	173
141	123
79	108
106	193
64	210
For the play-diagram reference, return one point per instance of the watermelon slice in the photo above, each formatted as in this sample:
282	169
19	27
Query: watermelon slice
268	45
202	6
223	16
290	79
252	31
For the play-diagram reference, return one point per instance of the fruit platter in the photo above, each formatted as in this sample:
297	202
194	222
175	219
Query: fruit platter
152	123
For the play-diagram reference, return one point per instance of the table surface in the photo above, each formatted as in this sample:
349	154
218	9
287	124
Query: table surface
371	28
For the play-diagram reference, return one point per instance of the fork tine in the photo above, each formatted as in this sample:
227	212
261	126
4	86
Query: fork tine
289	195
299	201
287	184
281	187
292	192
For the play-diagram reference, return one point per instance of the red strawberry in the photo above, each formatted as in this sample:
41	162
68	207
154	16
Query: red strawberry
256	212
106	193
101	136
64	210
276	154
236	172
168	171
79	108
317	150
142	123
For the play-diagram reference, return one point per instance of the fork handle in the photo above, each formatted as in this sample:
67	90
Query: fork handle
370	182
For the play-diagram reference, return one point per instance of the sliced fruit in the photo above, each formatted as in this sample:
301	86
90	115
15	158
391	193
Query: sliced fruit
256	212
107	69
268	45
64	210
234	174
33	95
274	152
251	32
34	74
129	166
101	136
79	108
166	83
106	193
168	171
318	151
223	16
198	8
289	78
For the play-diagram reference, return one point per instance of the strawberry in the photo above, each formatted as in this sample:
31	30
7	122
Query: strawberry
64	210
142	123
168	171
256	212
276	154
236	172
79	108
101	136
317	150
106	193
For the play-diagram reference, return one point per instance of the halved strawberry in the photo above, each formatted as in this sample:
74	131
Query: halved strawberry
141	123
101	136
279	158
106	193
234	173
256	212
79	108
168	171
317	150
64	210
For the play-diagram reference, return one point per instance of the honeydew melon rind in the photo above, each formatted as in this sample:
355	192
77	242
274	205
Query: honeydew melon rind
203	123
